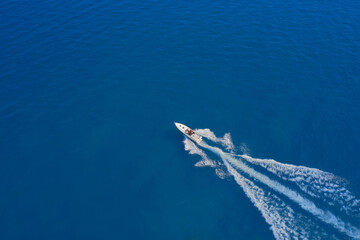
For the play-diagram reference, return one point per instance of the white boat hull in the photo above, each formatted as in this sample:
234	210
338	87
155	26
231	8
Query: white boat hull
189	133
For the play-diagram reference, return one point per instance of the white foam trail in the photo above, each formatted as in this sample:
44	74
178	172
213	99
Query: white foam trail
193	149
285	222
325	186
205	160
224	141
304	203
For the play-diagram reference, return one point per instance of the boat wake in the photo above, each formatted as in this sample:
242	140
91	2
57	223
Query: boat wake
298	202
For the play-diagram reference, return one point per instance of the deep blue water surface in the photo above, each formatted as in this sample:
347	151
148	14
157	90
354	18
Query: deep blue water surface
89	91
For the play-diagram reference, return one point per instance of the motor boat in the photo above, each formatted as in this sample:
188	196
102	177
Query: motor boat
189	133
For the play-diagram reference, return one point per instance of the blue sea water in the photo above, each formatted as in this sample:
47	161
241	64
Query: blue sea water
89	91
